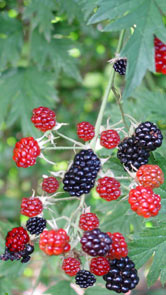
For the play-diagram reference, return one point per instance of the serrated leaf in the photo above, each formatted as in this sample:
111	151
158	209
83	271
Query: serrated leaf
41	14
21	90
152	241
70	8
146	17
11	40
62	287
119	215
87	6
56	52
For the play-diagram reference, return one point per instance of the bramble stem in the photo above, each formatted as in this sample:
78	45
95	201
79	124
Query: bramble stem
119	103
106	95
70	139
62	148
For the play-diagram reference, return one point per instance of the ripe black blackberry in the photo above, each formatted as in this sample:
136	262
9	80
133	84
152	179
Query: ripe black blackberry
24	254
130	154
122	276
85	279
10	255
81	176
96	243
120	66
148	136
36	225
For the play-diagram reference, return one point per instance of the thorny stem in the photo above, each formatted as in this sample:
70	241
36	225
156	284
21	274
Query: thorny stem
62	148
70	139
106	95
119	103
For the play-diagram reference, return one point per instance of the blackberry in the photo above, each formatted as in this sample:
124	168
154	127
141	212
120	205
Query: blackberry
85	279
148	136
27	251
36	225
26	259
10	255
122	276
81	176
96	243
130	154
120	66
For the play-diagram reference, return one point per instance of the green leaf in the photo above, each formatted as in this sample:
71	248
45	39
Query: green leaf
62	287
98	291
11	40
118	215
70	8
56	52
87	6
152	241
146	17
40	13
20	91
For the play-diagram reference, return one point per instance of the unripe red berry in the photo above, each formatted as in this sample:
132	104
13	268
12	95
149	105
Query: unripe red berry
25	152
144	201
150	176
85	131
43	118
108	188
109	139
50	185
119	246
31	207
54	242
71	266
16	239
99	266
160	56
88	221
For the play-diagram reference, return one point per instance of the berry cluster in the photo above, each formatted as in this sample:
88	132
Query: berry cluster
107	251
81	176
133	152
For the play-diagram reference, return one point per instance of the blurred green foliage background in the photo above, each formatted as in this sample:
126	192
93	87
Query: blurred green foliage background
50	57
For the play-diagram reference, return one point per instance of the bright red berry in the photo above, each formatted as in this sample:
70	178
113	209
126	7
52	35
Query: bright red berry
54	242
43	118
88	221
31	207
99	266
85	131
71	266
160	56
119	246
108	188
150	176
50	185
16	239
25	152
144	201
109	139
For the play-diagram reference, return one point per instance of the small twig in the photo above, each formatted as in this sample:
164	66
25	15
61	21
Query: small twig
119	103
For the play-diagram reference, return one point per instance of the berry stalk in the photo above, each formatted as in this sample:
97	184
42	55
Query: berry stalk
106	95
